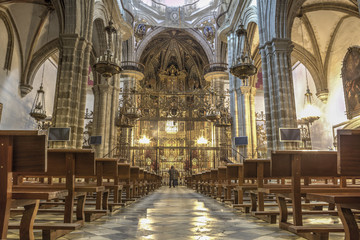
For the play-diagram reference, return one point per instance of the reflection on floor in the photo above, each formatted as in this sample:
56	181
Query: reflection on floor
181	213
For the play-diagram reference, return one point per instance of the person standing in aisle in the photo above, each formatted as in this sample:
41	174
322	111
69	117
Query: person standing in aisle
172	176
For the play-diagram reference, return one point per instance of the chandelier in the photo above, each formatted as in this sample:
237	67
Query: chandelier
128	113
124	122
212	114
224	121
243	66
132	113
310	112
107	65
38	111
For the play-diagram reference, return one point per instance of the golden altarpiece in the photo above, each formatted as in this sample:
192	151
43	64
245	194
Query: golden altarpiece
174	119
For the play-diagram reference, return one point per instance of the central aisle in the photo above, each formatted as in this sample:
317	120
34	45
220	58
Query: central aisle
178	213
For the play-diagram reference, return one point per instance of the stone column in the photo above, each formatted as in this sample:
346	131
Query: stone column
68	87
104	115
70	94
100	91
113	114
248	125
130	78
278	91
84	82
232	87
217	79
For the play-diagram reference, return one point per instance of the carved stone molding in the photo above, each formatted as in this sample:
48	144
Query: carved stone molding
25	89
323	95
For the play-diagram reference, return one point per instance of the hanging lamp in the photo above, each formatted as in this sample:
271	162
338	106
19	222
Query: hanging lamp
212	114
38	111
107	65
243	66
310	112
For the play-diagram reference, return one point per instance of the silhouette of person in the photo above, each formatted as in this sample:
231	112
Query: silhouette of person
173	176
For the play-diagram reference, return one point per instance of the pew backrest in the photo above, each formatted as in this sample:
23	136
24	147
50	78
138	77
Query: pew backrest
28	151
232	171
124	171
134	173
107	167
348	159
221	173
251	165
313	163
84	162
214	174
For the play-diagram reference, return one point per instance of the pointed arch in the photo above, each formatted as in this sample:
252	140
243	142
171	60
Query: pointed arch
195	35
38	59
10	44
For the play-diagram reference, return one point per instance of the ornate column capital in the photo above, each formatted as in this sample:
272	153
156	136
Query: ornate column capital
323	95
278	45
69	40
25	89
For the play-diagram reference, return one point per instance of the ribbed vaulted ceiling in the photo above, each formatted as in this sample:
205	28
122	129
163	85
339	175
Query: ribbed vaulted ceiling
174	47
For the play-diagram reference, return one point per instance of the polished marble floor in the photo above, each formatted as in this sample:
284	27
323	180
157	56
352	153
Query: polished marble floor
178	213
181	213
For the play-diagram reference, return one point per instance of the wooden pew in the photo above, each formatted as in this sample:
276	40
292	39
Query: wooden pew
188	181
146	182
298	165
233	171
142	185
205	182
23	151
124	179
260	169
196	182
151	179
108	168
71	164
348	164
135	178
213	180
248	171
221	182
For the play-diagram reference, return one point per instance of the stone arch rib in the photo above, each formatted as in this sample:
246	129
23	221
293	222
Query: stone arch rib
39	58
310	62
10	44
